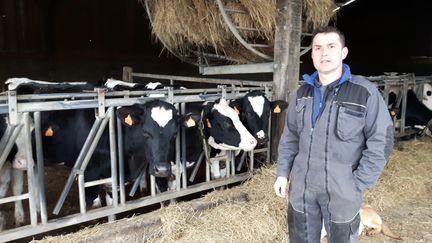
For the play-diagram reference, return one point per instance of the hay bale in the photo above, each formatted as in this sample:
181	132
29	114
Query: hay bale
185	26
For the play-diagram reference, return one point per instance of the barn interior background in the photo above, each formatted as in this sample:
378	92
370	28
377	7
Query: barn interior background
87	40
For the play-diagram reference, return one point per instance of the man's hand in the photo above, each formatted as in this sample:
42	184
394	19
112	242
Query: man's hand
281	186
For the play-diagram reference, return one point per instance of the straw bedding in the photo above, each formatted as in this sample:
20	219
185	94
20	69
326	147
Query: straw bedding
402	197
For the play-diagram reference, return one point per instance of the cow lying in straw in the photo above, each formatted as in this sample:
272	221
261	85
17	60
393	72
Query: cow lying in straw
371	222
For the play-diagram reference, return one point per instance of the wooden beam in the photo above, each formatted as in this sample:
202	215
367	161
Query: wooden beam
286	60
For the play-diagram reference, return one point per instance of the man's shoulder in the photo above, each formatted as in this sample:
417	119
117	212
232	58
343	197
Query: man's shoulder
363	81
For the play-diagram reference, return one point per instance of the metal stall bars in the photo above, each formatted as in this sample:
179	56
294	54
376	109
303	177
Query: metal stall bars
400	84
48	102
266	86
18	123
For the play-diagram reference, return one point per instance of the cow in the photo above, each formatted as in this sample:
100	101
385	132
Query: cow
222	130
417	114
11	173
254	110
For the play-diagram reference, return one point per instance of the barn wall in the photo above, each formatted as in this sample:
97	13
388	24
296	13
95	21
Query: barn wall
78	40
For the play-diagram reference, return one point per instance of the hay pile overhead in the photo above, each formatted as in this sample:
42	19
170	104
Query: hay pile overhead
186	26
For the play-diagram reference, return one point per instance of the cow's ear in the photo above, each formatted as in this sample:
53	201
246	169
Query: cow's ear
236	105
278	106
190	119
129	115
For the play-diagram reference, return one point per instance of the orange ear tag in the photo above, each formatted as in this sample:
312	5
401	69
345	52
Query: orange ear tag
128	120
277	109
190	122
208	123
49	132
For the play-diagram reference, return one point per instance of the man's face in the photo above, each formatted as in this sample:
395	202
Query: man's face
328	53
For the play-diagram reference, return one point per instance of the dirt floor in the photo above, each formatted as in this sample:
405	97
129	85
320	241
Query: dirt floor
402	197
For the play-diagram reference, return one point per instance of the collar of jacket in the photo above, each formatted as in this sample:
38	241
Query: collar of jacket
318	104
312	79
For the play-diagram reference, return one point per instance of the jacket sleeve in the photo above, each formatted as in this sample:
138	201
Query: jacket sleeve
289	142
379	134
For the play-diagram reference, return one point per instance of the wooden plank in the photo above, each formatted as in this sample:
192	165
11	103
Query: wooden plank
286	59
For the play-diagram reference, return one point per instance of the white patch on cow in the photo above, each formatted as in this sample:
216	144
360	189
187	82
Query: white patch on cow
247	141
111	83
97	203
220	146
152	85
13	83
427	96
257	103
161	116
260	134
108	199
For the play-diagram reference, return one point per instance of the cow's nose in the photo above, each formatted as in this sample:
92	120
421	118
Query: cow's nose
161	171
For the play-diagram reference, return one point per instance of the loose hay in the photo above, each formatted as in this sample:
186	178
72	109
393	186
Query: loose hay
405	180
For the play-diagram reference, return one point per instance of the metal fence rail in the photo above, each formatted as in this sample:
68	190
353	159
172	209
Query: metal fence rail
105	103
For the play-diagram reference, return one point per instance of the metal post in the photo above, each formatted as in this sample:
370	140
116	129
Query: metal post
196	167
183	149
232	163
30	171
121	162
152	185
40	167
113	155
81	193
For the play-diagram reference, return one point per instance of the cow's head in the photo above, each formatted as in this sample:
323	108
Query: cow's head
152	127
224	129
254	109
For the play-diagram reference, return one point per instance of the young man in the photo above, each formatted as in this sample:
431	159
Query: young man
337	139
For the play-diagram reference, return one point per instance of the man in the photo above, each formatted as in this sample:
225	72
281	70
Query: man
337	139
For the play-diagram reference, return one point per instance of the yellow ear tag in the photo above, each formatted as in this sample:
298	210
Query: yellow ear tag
208	123
277	109
236	110
49	132
128	120
190	123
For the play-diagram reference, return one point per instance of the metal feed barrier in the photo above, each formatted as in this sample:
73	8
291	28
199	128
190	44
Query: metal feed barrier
21	107
401	84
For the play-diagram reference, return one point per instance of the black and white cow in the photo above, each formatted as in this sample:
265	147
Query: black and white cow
222	129
255	109
149	133
417	114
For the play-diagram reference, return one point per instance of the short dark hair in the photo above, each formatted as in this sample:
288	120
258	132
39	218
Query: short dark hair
329	29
